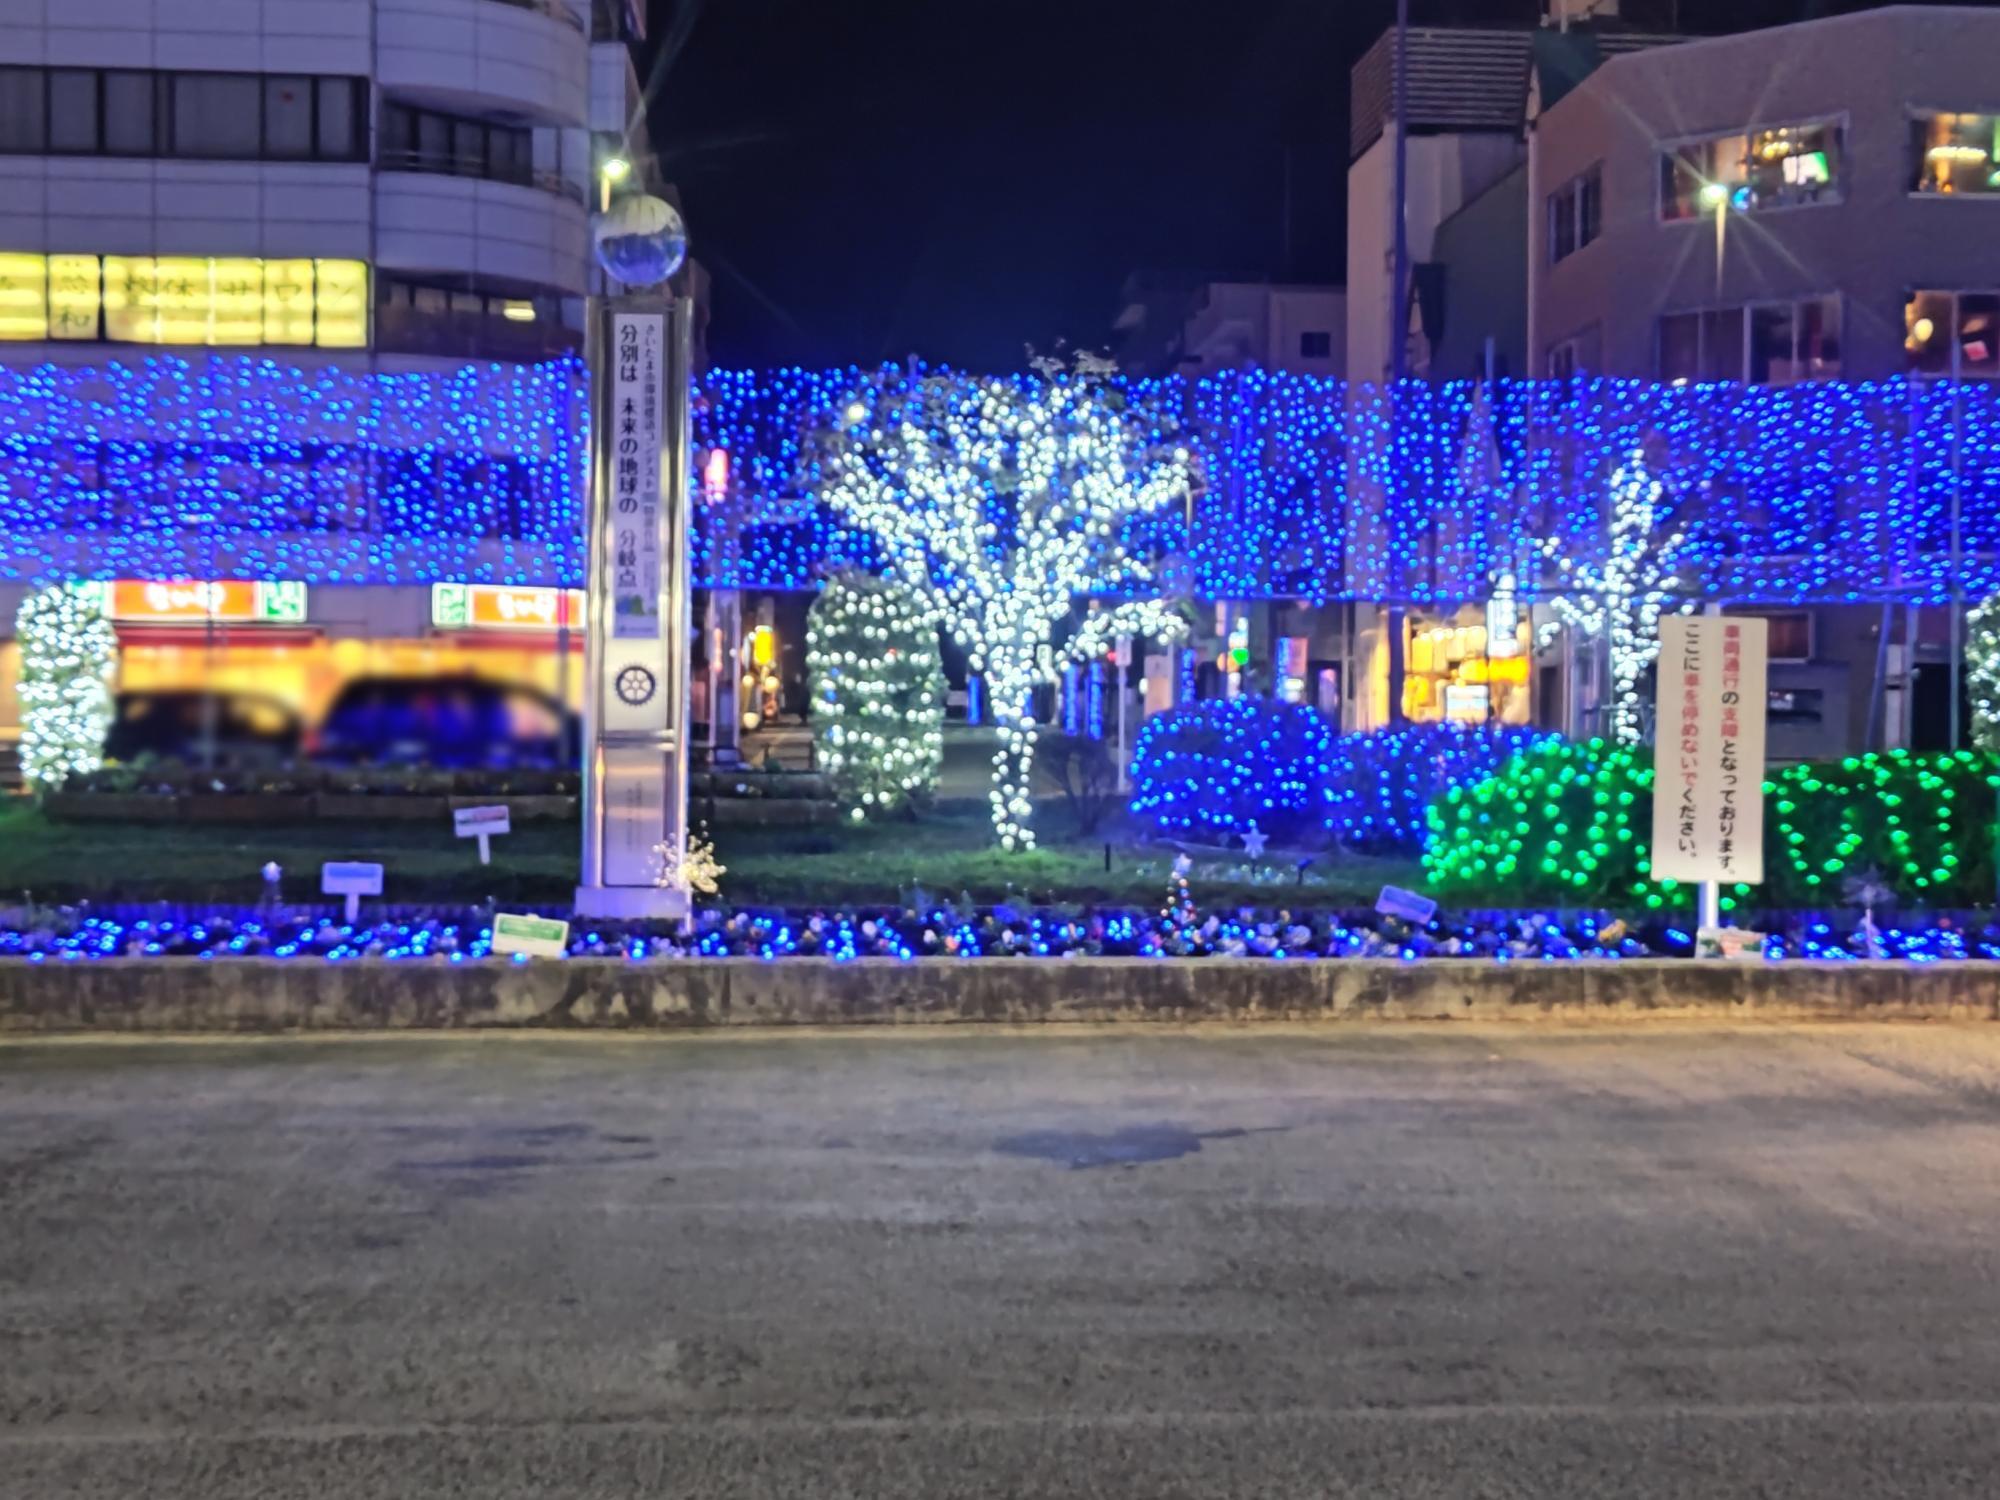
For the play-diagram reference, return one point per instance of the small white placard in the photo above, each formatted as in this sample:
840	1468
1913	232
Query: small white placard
538	937
1407	905
350	879
480	822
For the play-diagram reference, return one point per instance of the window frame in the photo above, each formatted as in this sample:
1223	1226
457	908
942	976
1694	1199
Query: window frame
1955	369
1773	614
1669	148
162	86
448	161
1745	311
1565	204
1913	170
1324	335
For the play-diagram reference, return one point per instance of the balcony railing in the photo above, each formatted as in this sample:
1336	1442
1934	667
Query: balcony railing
554	9
448	165
471	335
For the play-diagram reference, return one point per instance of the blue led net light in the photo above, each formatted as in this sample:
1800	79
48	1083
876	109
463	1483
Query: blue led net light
1309	489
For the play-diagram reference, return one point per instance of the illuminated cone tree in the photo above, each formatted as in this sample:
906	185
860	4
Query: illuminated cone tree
1001	502
877	693
69	655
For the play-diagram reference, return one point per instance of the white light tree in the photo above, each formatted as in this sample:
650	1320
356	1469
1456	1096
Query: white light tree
1982	672
69	656
1622	595
1002	501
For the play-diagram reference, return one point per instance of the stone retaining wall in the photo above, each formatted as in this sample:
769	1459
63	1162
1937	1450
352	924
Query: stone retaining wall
252	995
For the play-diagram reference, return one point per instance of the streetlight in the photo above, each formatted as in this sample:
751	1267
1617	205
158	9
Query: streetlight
614	170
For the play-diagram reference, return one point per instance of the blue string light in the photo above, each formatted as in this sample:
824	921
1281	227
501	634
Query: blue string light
1825	491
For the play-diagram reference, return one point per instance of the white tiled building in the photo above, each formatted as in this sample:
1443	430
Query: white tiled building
408	176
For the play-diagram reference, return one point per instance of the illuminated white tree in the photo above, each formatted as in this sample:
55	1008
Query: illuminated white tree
1001	501
69	654
877	693
1982	672
1622	595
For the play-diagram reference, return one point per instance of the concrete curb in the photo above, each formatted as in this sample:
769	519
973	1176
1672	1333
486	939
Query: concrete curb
267	995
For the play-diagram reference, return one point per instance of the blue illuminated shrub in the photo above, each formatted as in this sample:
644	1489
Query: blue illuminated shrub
1213	768
1383	783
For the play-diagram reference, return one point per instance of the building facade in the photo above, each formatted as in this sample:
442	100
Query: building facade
346	188
1808	202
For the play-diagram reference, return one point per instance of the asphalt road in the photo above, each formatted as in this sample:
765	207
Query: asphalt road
1408	1262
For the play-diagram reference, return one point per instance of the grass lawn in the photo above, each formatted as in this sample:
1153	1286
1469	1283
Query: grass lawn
945	853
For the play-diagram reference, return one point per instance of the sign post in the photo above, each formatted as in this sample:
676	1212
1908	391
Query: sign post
482	823
1708	783
636	656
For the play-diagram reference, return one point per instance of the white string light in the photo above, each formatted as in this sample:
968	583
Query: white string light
877	693
69	656
1624	595
999	502
1982	672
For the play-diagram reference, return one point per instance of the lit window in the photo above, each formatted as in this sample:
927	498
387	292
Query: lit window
1955	153
1952	334
1781	166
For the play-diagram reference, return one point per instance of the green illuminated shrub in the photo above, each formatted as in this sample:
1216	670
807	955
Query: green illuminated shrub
1571	824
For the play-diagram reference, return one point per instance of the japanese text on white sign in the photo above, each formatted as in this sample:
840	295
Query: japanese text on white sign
1708	791
634	514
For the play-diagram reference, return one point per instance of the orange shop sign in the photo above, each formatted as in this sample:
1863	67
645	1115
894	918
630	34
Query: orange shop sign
497	606
234	601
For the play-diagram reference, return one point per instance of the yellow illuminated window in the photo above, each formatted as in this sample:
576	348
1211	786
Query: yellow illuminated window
73	296
24	297
342	304
236	302
131	300
288	302
184	299
185	292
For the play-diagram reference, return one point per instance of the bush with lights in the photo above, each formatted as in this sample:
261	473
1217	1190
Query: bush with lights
877	693
1383	783
69	655
1571	825
1564	823
1921	822
1216	767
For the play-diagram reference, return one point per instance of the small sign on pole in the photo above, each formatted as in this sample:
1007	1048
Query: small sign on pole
1708	790
1405	906
481	823
352	880
538	937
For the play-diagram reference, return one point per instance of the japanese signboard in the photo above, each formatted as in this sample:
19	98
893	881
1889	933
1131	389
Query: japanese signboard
502	606
230	601
638	346
144	299
1708	793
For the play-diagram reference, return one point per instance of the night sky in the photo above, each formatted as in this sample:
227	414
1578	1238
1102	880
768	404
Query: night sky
958	179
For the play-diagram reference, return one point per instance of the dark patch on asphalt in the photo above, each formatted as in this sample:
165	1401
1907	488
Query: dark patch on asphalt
627	1140
836	1143
1134	1145
546	1135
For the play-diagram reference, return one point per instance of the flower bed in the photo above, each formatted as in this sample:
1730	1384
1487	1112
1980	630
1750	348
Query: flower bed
69	935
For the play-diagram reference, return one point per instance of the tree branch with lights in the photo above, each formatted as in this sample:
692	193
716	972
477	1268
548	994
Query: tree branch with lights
1001	502
1622	595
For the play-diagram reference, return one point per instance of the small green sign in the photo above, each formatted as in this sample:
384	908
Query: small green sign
538	937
